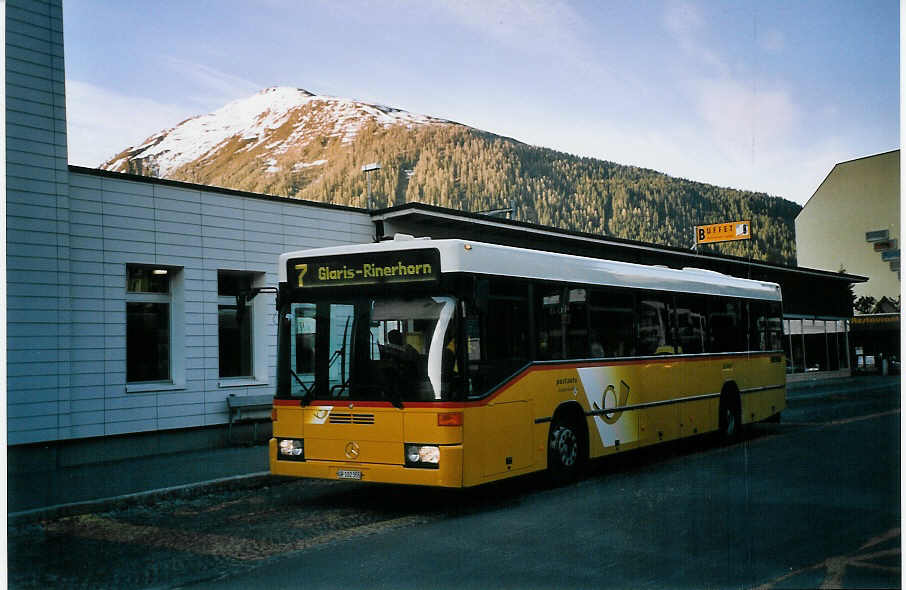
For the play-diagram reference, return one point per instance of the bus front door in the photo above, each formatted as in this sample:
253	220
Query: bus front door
506	436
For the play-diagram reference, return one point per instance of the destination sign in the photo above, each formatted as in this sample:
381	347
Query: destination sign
405	266
723	232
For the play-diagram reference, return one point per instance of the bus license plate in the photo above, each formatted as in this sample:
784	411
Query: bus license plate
349	474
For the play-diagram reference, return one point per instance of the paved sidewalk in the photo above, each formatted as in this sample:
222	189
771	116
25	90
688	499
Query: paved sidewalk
51	489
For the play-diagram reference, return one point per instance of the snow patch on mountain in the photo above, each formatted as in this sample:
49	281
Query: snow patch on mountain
303	165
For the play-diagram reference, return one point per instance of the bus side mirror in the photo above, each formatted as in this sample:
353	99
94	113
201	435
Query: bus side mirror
482	288
244	297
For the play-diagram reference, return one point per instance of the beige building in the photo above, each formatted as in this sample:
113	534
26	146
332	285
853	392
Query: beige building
853	222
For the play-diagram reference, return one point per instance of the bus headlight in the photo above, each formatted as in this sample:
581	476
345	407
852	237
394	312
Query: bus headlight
424	456
291	449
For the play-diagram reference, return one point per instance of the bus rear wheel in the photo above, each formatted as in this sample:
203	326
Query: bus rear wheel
565	450
730	425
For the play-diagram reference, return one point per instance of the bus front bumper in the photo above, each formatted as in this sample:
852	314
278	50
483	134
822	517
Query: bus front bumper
447	474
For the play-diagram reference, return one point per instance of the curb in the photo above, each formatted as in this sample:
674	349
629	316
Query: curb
811	384
236	482
817	389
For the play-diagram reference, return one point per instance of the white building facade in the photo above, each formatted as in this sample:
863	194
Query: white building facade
121	307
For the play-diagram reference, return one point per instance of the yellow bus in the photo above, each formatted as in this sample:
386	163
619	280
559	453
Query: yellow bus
456	363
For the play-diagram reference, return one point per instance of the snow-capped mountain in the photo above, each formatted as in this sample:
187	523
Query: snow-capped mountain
292	143
274	126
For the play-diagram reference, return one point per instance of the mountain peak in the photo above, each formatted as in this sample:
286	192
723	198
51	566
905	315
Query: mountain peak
286	90
271	122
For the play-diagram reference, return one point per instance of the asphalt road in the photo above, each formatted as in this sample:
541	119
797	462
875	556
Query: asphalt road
811	501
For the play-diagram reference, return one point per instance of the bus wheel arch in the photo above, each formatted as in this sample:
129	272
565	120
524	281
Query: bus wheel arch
567	443
729	424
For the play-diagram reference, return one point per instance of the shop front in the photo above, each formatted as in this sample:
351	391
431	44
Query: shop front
876	343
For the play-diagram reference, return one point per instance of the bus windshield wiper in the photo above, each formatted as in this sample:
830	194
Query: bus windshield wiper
308	390
394	392
396	398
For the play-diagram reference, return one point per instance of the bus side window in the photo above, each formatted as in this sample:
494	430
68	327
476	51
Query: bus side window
576	325
611	323
549	310
501	347
724	320
775	327
758	325
692	324
655	328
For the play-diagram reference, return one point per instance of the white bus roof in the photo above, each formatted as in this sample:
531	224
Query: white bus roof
492	259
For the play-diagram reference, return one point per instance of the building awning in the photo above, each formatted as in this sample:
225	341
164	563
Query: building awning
452	223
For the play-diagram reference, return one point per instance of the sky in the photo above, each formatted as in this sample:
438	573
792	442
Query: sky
759	95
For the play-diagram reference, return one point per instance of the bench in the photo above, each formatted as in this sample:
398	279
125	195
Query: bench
249	408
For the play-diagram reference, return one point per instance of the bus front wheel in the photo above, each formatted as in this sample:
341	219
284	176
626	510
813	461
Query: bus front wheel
565	449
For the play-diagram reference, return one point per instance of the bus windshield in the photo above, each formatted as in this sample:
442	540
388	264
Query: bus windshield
394	349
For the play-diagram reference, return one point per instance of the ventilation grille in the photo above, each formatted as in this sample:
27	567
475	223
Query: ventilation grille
340	418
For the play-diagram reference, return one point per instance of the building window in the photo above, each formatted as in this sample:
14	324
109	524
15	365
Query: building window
796	362
843	343
148	332
235	324
815	342
813	345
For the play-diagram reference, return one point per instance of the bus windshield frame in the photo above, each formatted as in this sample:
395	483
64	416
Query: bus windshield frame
388	347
